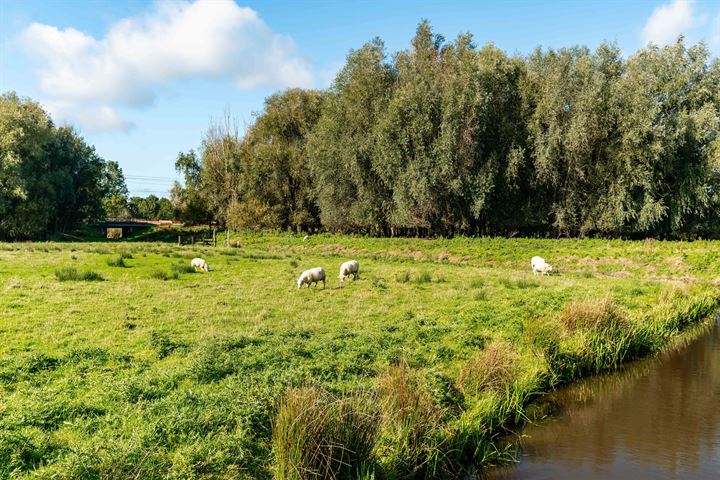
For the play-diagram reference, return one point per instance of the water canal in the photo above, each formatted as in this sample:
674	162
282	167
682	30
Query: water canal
655	419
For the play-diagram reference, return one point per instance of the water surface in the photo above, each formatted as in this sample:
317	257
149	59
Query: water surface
656	419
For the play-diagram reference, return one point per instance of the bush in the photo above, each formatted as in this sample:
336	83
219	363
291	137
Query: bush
66	274
316	435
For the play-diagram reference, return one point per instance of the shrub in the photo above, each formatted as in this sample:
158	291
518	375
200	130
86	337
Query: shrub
316	435
66	274
116	261
490	369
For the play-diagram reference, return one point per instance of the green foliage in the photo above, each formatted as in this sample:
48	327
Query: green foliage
159	274
151	207
449	138
181	268
51	179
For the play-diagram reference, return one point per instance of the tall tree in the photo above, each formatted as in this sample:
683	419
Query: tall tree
275	182
343	147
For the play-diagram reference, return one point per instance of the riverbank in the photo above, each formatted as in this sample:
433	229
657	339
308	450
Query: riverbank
417	368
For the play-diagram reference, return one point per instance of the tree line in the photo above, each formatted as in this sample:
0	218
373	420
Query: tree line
51	181
449	138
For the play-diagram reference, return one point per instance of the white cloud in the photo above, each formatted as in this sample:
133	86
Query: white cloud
715	34
668	21
176	40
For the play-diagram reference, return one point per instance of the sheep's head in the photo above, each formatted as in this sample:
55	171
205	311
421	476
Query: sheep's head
547	268
300	282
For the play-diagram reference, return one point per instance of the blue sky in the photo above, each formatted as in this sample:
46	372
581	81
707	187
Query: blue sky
141	80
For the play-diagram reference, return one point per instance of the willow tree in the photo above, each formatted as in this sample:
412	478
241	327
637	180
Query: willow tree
343	149
275	185
669	145
572	131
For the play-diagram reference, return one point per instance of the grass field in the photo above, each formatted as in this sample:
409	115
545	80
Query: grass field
116	361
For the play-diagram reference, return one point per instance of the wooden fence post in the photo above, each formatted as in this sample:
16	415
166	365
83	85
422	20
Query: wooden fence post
214	237
179	241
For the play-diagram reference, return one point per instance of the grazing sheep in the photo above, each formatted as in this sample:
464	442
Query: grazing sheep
348	268
314	275
539	265
545	269
306	237
199	263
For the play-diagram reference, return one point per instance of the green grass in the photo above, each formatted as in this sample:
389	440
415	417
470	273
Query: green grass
416	368
72	274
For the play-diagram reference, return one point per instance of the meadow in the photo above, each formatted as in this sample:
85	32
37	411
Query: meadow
118	361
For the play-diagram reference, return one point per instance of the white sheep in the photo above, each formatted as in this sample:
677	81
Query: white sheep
351	267
199	263
314	275
305	238
545	269
539	265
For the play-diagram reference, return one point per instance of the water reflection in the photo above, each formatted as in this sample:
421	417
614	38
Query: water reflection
656	419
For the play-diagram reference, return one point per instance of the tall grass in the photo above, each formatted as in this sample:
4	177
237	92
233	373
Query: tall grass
490	369
318	436
410	443
597	314
163	275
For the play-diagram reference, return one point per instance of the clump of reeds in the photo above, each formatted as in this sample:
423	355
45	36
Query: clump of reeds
316	435
492	368
593	314
411	439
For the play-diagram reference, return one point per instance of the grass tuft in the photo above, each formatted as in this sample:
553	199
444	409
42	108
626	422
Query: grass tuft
490	369
116	261
181	268
410	441
72	274
318	436
599	314
163	275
